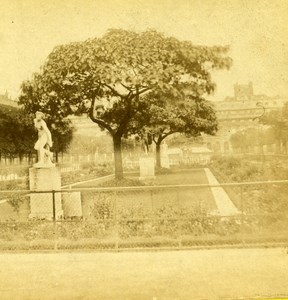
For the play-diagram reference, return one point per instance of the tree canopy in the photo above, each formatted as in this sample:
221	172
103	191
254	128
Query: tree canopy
16	132
18	135
275	132
159	118
109	75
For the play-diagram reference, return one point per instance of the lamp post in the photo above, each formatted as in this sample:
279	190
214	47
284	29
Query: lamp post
259	104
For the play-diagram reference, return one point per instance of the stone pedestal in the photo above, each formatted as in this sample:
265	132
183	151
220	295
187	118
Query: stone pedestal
147	169
165	163
41	204
72	205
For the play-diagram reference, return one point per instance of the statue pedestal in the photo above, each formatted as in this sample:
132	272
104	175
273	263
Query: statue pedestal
165	163
41	204
147	170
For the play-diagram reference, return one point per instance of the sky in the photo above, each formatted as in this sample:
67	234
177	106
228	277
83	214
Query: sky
255	30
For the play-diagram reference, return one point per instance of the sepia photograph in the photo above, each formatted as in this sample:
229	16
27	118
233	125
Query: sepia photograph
143	149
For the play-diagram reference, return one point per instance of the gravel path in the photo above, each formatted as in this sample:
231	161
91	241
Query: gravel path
198	274
225	206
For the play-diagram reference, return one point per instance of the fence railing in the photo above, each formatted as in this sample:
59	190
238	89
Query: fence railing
175	216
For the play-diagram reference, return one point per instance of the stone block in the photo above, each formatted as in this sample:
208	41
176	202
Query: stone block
72	205
147	168
165	163
41	204
44	179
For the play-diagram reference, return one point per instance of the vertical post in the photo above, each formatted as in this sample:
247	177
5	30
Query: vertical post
179	221
242	213
116	220
151	198
54	219
54	206
151	218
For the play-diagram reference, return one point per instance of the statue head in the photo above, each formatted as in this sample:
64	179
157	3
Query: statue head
39	115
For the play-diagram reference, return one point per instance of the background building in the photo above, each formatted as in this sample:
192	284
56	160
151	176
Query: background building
6	100
240	112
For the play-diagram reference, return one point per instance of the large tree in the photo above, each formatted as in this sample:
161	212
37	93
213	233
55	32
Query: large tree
118	69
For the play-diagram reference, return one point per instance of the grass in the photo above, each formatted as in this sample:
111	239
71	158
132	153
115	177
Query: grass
190	198
140	203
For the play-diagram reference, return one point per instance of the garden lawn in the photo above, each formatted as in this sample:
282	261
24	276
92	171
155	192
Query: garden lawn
196	198
188	198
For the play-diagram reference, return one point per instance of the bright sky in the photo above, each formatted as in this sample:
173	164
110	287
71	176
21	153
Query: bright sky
257	32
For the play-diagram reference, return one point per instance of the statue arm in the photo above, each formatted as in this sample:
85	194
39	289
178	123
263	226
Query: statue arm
48	133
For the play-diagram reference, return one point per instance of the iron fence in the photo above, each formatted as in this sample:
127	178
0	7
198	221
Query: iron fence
175	216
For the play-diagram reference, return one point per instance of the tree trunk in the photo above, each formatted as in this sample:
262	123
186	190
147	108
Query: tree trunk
30	158
118	157
284	147
21	158
56	157
158	155
278	146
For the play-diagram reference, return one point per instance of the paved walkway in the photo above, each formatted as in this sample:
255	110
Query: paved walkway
224	204
197	274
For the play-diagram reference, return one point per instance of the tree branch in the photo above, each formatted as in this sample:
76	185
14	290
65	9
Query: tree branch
98	121
134	70
168	133
113	90
144	90
126	87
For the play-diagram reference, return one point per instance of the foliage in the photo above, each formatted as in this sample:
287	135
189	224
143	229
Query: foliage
142	225
103	209
163	221
160	118
88	171
278	120
252	137
90	145
122	182
19	184
18	135
110	75
238	170
16	201
255	198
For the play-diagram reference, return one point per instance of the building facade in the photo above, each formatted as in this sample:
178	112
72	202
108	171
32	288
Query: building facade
6	100
240	112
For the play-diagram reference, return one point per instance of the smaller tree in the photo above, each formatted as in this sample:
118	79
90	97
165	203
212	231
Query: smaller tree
163	117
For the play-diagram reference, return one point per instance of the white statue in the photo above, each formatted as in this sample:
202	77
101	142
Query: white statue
43	143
